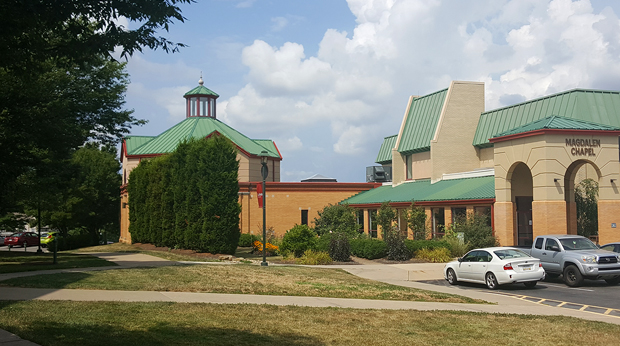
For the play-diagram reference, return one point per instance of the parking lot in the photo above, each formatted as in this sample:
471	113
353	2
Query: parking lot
593	293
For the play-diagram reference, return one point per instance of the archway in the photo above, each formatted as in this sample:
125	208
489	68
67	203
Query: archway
575	173
522	192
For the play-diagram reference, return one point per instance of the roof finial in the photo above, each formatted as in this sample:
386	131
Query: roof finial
201	82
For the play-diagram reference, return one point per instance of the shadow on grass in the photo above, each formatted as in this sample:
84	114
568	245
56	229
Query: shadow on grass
14	262
60	280
93	334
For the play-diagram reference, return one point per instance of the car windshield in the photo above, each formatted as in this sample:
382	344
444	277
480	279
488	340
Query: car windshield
510	253
578	244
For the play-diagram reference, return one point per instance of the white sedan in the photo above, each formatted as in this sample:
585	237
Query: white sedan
495	266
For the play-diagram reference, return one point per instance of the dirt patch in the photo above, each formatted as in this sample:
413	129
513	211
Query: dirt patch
191	253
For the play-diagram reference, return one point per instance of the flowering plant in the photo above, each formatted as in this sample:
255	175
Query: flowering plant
269	248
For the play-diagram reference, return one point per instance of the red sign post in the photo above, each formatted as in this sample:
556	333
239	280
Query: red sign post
259	193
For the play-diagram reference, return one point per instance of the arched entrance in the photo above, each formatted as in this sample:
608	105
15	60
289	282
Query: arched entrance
578	171
522	192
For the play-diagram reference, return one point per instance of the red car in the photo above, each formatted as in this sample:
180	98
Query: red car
19	239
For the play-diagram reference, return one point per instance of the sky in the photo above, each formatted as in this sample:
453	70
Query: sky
327	80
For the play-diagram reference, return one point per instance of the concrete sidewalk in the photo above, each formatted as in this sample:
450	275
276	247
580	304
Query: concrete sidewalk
406	275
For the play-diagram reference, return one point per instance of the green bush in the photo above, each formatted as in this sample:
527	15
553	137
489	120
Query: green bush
457	247
324	242
71	242
476	230
339	247
336	218
368	248
438	255
312	257
416	245
396	248
247	239
298	240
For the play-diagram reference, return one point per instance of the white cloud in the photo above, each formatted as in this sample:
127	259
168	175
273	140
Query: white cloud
245	4
344	99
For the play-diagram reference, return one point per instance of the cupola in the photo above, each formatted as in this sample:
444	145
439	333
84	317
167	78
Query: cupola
200	101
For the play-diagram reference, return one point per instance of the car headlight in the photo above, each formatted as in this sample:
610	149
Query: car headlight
588	259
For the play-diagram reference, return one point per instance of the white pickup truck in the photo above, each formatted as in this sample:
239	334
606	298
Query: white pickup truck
575	258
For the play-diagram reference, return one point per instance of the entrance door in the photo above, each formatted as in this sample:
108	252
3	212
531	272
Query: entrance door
525	236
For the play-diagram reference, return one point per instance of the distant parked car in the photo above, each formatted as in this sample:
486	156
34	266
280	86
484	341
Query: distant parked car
19	239
4	235
47	237
495	266
613	247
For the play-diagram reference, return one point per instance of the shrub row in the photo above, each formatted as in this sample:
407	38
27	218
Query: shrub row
247	240
416	245
368	248
188	199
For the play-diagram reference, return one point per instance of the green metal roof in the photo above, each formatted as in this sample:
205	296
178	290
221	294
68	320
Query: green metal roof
201	90
558	123
422	119
201	127
133	142
423	191
597	106
385	153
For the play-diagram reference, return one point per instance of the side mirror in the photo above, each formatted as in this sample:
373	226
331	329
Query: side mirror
460	259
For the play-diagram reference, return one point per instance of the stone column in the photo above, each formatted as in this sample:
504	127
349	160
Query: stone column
548	217
504	223
608	216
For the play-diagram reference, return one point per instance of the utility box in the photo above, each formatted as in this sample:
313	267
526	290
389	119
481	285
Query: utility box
378	174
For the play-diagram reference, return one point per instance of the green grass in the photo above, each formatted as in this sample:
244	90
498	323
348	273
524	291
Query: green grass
237	279
15	261
51	323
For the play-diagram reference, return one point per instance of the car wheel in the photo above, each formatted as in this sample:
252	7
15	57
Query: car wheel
572	276
491	281
530	284
451	275
613	281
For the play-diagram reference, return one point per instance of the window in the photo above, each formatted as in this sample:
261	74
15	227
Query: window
192	105
484	211
304	217
203	107
484	256
372	222
360	220
470	257
439	222
551	243
409	165
459	214
539	242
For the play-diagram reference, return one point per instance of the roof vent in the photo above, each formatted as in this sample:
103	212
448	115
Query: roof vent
378	174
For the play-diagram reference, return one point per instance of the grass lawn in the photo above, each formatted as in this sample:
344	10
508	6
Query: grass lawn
111	323
16	261
237	279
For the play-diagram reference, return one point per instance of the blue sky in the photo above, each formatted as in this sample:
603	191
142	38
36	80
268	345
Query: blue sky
329	79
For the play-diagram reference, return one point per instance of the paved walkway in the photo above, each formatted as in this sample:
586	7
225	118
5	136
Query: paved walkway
407	275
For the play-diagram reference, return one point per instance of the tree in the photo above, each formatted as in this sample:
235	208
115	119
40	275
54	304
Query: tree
35	31
586	197
394	238
59	86
87	199
336	218
416	221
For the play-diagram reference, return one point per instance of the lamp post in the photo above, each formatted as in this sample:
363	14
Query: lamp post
264	171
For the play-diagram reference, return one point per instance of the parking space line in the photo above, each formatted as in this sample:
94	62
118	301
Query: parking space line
562	304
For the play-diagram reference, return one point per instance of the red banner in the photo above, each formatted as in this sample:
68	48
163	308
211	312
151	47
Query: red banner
259	193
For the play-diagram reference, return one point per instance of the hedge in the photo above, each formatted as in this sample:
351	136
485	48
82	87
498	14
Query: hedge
431	244
368	248
188	199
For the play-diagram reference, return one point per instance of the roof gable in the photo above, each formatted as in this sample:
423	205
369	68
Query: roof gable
422	119
556	122
595	106
202	127
201	90
385	152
